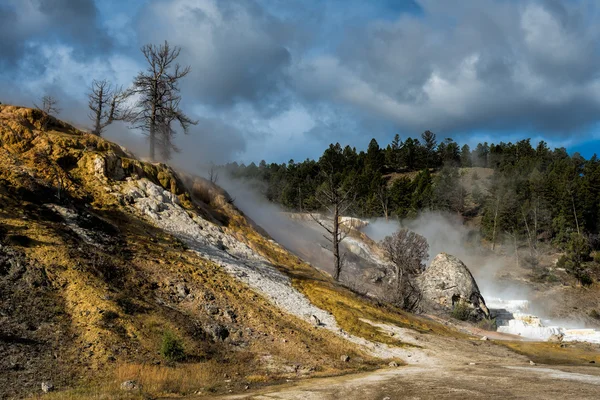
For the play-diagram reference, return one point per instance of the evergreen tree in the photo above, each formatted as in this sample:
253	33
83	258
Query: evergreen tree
465	157
429	144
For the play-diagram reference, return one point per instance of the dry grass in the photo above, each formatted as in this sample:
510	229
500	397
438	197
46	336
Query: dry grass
347	307
349	310
553	353
180	379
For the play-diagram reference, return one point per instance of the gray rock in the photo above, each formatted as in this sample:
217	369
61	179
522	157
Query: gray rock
208	296
218	332
448	282
345	358
231	315
130	385
212	309
47	387
556	338
182	290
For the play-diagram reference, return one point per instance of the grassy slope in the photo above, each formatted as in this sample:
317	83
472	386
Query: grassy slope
106	296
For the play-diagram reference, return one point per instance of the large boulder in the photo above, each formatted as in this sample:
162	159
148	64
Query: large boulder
447	283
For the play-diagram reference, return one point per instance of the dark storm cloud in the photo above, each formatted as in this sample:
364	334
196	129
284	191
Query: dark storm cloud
236	49
468	65
272	77
73	22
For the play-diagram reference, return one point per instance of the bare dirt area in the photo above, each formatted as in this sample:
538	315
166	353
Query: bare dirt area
448	368
443	382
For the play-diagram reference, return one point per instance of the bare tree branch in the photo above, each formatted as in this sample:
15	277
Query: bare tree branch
158	105
407	252
336	200
49	105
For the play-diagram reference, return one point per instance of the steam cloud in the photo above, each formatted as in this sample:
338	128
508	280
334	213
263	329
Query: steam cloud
447	233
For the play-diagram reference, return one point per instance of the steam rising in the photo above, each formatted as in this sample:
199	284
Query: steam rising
444	233
298	236
448	233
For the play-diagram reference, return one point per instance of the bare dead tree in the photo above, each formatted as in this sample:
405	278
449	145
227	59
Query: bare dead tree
49	105
407	251
530	239
106	104
158	104
571	194
384	200
335	199
213	174
496	209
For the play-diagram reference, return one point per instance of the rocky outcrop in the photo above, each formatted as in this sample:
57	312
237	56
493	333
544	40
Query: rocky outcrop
447	283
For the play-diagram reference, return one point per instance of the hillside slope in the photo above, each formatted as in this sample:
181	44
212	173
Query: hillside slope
102	254
105	258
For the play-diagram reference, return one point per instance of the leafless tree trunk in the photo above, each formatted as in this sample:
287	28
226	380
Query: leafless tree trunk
495	222
213	174
574	211
535	219
106	105
49	105
532	249
384	200
159	98
336	201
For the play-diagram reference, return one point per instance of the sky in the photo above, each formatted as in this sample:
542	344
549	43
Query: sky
281	79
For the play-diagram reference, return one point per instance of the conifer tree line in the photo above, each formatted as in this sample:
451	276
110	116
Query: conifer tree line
535	194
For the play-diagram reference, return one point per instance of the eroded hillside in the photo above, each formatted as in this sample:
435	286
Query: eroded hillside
105	258
102	254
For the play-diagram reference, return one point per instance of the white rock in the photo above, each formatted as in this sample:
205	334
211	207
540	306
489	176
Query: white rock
237	259
47	387
130	385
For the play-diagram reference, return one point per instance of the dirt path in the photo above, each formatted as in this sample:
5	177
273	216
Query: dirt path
468	382
446	368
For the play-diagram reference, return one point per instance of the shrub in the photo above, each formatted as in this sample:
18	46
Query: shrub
461	311
531	260
488	324
595	314
578	253
585	279
172	347
408	252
